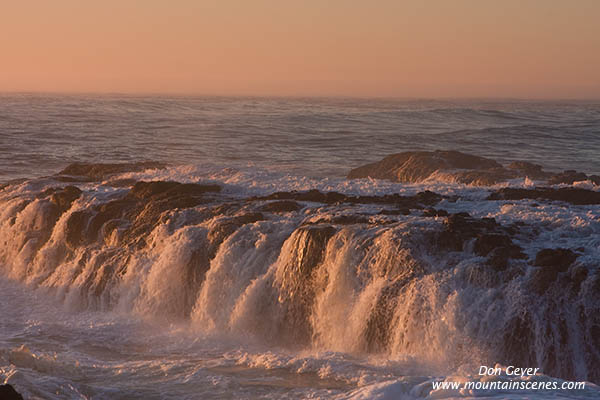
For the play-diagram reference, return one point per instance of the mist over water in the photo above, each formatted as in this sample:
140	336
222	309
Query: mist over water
40	134
227	279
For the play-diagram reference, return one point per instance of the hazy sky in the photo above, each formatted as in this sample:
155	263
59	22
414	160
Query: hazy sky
420	48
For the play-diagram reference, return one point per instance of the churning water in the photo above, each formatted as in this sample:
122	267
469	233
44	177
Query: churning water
115	289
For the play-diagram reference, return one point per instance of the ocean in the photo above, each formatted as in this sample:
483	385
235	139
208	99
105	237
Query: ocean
258	270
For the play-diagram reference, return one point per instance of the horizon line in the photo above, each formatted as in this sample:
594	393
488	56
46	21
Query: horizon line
287	96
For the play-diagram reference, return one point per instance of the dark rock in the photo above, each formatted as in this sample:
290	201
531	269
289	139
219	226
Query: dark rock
461	227
491	239
342	220
426	198
556	259
550	263
169	189
281	206
7	392
518	341
487	242
579	274
542	279
401	211
432	212
498	259
96	172
570	195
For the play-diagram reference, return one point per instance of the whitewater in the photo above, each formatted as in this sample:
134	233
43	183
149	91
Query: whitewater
247	279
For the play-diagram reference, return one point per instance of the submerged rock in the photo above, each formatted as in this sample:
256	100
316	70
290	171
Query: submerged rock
99	171
570	195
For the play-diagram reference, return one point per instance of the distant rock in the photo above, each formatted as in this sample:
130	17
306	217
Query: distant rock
417	166
7	392
455	166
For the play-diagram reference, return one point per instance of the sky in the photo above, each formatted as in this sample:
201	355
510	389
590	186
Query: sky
380	48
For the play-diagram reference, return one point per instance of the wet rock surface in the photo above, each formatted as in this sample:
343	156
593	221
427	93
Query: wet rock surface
418	201
281	206
558	259
489	239
298	288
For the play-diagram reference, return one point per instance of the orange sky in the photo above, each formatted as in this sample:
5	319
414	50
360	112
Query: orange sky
399	48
